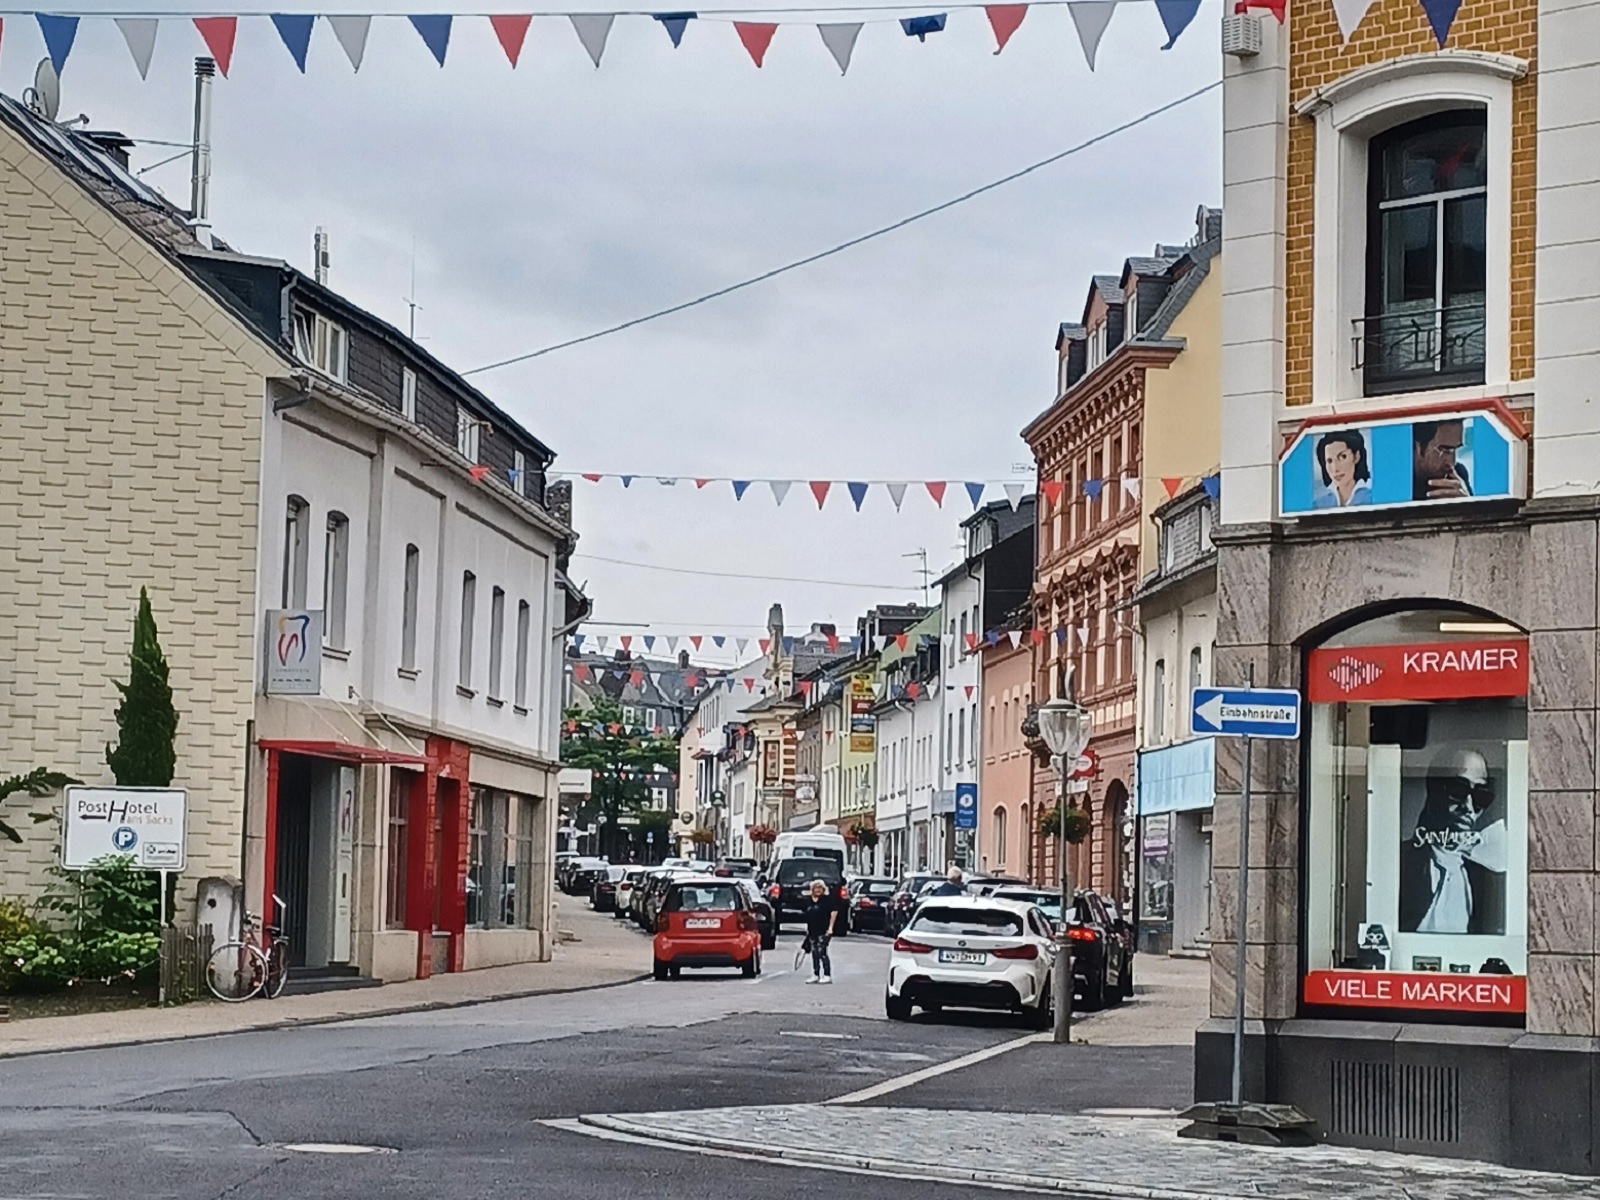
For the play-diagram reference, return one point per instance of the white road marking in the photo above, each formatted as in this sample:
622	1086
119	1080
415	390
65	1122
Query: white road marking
821	1037
933	1072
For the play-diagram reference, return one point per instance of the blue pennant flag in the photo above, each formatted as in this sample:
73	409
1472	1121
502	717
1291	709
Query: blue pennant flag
858	493
1061	636
975	494
992	638
649	641
921	27
675	24
577	640
855	645
739	487
627	480
59	34
435	31
1093	487
1213	486
1441	15
788	645
295	30
718	640
1176	15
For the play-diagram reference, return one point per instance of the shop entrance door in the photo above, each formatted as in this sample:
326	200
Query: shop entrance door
315	858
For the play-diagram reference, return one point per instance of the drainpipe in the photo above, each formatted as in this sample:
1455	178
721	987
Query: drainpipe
200	181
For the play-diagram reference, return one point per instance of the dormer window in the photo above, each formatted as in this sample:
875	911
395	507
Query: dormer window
320	344
467	427
1131	311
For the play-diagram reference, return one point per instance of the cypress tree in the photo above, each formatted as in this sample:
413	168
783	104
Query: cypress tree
147	723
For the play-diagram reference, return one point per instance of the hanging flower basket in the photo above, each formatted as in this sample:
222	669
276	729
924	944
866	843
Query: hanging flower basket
1079	824
762	835
702	837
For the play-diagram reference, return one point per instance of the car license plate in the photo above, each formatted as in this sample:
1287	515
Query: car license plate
963	956
703	923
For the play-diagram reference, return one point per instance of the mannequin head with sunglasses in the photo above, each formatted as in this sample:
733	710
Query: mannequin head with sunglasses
1458	794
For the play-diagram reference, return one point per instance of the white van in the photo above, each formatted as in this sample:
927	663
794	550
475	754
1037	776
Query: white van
822	842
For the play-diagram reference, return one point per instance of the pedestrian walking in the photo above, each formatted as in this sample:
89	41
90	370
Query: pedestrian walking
821	913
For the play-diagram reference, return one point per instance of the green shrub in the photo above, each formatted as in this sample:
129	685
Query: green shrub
37	962
16	919
111	896
115	956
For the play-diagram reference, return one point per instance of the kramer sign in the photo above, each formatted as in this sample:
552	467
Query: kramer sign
146	824
1429	671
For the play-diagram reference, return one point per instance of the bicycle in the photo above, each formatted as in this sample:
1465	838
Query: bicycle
242	970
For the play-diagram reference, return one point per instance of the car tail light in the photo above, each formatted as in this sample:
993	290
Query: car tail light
1077	934
1028	951
865	903
906	946
775	891
844	893
747	922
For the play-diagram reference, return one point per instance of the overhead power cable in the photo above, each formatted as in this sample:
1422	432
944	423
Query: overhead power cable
849	583
856	241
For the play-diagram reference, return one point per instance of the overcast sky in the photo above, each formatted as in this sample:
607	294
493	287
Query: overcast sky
556	199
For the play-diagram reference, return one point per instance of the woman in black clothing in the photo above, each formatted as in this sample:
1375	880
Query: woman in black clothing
821	911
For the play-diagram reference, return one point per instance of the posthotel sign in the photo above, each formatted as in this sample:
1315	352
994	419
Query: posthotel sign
146	824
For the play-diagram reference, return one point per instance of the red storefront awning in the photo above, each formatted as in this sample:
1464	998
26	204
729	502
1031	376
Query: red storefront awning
344	752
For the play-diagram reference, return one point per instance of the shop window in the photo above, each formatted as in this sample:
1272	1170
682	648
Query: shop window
527	816
477	857
1427	254
408	609
397	850
335	580
1417	817
1155	871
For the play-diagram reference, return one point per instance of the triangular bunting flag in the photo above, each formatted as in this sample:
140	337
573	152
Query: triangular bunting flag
827	735
672	645
780	489
479	474
627	641
1173	484
577	640
676	23
739	488
972	642
900	640
1278	8
1091	18
593	29
435	33
1014	495
649	642
885	641
841	42
1441	15
636	677
59	34
218	33
1130	484
601	641
1213	486
913	690
1004	19
921	27
992	638
832	640
1093	487
1061	637
1052	489
667	480
749	683
695	640
819	489
756	37
975	494
897	493
936	489
788	645
718	640
1015	638
140	34
593	478
627	480
1083	634
295	31
970	690
580	672
1036	637
805	688
700	484
512	31
765	644
858	493
1349	14
1176	15
740	645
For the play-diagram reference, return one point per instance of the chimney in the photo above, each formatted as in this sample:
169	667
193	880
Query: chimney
683	660
558	500
200	180
116	145
775	627
321	254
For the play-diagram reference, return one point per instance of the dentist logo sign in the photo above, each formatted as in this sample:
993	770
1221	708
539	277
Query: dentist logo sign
293	642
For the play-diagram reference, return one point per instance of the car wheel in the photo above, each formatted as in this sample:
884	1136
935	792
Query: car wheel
1040	1017
751	967
1125	984
770	942
896	1008
661	969
1094	991
675	972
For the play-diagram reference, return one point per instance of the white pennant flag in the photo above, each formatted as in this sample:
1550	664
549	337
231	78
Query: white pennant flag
140	34
601	642
672	645
1083	634
780	489
1016	638
841	43
1349	14
352	34
1014	495
593	29
897	493
1091	17
888	640
741	645
1130	484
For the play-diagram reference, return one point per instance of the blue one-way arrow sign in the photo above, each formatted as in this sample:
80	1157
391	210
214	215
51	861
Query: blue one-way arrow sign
1247	712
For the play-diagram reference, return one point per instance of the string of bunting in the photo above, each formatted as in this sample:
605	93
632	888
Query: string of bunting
220	32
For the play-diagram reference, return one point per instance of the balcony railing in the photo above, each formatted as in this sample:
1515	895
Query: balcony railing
1422	348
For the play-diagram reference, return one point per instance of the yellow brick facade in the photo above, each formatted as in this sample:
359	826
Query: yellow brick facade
1318	55
130	431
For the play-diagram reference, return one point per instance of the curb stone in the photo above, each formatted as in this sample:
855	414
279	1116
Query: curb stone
1084	1190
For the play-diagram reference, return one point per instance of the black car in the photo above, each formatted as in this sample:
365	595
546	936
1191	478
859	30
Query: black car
736	868
603	895
762	909
581	881
789	888
904	899
1102	952
869	905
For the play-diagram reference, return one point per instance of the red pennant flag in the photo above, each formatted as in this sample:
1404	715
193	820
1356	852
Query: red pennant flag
479	474
900	640
614	728
1052	489
1004	19
969	691
627	641
511	30
636	677
580	673
1172	484
805	688
695	640
756	38
819	489
1275	7
1036	636
700	483
827	735
913	690
833	643
593	478
972	642
936	490
749	683
765	644
218	34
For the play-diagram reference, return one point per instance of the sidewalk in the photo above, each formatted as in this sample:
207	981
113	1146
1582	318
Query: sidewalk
1106	1158
608	952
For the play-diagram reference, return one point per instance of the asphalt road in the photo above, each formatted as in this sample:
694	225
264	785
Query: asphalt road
455	1099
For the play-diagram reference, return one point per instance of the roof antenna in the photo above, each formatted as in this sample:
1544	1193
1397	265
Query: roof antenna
44	97
411	300
200	181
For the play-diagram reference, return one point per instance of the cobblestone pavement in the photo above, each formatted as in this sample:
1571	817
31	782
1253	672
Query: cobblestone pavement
1122	1157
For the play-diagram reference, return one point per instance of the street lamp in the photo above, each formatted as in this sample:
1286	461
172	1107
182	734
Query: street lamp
1066	727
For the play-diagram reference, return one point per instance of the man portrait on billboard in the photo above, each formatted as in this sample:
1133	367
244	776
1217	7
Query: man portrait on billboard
1453	861
1435	473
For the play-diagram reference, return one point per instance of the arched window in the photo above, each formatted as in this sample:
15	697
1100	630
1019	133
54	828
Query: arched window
335	579
1000	837
296	535
1158	701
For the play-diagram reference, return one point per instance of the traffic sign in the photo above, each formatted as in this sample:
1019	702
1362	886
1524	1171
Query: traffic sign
966	806
1247	712
1085	766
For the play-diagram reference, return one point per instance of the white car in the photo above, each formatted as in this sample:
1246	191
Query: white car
632	877
973	952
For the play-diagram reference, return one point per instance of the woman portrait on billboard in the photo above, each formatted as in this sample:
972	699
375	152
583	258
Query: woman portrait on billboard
1343	474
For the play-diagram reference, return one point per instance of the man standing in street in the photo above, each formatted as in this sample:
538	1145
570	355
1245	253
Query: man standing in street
821	913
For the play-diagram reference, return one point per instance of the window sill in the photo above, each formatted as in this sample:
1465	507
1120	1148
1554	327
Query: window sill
466	693
335	652
519	710
496	702
409	673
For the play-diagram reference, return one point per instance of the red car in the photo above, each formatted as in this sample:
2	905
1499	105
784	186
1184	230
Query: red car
707	923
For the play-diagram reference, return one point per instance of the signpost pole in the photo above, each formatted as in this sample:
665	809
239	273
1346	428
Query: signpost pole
1064	982
161	988
1239	917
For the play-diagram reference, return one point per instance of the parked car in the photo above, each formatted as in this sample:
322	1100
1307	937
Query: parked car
1045	900
584	875
763	910
983	885
789	888
869	904
603	895
739	868
706	922
1102	952
656	892
905	898
973	952
622	907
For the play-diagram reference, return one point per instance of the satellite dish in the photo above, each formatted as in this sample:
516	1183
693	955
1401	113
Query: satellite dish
44	97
